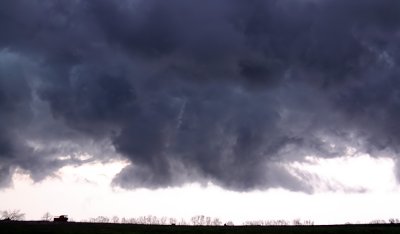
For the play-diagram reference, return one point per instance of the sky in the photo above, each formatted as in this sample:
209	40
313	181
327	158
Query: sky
242	110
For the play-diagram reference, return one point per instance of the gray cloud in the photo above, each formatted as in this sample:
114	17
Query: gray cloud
196	91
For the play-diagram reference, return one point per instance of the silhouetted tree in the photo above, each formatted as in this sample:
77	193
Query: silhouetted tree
216	222
172	221
229	223
133	220
296	222
281	222
308	222
377	221
208	221
151	219
254	223
198	220
47	217
115	219
140	220
102	219
163	220
183	222
12	215
393	221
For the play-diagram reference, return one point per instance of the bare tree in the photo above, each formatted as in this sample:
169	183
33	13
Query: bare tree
163	220
172	221
115	219
281	222
254	223
229	223
141	220
308	222
183	222
208	221
102	219
216	222
198	220
377	221
124	220
151	219
12	215
47	217
202	220
394	221
194	220
297	222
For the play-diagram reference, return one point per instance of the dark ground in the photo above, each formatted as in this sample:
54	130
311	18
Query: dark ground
96	228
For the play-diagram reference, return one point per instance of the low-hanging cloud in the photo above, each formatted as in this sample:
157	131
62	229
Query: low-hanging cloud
196	91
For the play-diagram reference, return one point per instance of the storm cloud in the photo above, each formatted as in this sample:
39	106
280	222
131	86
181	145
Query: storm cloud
196	91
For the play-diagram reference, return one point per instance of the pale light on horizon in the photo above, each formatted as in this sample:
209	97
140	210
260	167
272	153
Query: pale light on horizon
84	192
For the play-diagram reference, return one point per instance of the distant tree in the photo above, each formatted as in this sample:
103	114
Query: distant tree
229	223
393	221
102	219
172	221
194	220
14	215
281	222
308	222
255	223
297	222
151	219
183	222
141	220
216	222
377	221
163	220
47	217
133	221
115	219
202	220
208	221
198	220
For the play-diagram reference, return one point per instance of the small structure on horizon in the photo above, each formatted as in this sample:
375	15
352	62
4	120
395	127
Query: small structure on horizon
61	218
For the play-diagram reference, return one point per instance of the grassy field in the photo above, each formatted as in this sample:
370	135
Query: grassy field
96	228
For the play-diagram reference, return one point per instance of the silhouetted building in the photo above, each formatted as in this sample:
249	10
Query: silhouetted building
61	218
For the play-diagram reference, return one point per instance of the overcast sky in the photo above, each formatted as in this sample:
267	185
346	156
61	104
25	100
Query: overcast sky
237	109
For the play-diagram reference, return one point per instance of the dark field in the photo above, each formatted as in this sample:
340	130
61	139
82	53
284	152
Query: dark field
96	228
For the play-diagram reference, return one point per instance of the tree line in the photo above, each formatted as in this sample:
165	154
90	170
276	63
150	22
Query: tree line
197	220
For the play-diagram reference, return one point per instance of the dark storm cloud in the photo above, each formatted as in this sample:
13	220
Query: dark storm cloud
196	91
